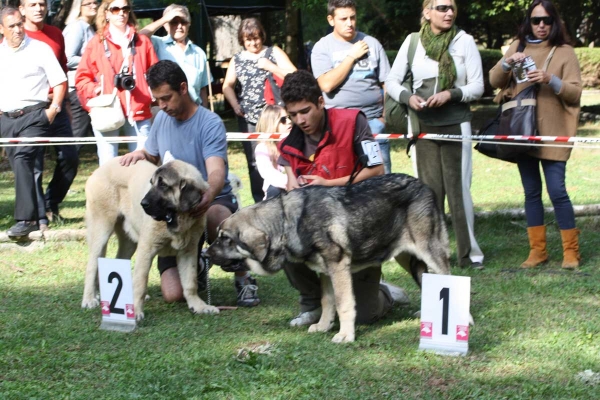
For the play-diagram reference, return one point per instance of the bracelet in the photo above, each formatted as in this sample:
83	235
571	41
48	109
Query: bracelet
353	59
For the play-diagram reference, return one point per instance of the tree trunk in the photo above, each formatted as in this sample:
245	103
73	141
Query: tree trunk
293	45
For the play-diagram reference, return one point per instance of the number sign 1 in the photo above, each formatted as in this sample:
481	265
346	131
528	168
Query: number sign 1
116	294
445	303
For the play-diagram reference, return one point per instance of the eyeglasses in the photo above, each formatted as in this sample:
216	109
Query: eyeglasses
285	120
443	8
545	20
117	10
90	4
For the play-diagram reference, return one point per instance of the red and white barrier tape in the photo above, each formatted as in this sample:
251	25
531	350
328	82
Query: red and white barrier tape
239	136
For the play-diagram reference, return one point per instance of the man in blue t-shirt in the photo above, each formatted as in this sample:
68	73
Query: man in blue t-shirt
187	132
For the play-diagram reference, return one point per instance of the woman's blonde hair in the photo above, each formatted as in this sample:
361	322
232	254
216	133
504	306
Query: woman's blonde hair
101	17
268	122
430	4
75	12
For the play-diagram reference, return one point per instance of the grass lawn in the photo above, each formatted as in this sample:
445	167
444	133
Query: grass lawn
534	330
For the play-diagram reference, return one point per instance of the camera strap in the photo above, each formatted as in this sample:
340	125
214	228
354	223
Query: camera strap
127	61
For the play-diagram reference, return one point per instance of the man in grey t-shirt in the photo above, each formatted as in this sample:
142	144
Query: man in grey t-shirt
351	68
187	132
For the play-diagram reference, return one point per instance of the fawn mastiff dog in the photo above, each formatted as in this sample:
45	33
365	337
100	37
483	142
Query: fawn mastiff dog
148	208
337	231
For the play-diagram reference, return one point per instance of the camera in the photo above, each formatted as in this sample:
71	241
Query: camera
124	80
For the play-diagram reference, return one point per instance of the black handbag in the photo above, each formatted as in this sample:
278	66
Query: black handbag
516	117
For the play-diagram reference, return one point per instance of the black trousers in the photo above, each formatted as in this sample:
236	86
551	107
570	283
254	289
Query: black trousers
22	159
65	171
256	181
81	124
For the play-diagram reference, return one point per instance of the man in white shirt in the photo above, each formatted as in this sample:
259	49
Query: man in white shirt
28	69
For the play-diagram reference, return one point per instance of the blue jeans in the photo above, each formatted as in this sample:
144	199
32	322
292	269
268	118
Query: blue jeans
108	151
554	174
384	144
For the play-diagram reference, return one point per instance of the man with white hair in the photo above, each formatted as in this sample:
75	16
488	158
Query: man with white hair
177	47
28	70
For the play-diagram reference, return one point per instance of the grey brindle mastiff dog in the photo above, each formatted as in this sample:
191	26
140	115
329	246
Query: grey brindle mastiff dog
337	231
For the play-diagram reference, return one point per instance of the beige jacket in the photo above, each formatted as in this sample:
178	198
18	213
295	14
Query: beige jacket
557	114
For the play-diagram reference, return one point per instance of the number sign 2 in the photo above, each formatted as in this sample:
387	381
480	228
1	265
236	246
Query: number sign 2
116	294
445	303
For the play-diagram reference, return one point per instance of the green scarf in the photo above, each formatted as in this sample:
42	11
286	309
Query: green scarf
436	48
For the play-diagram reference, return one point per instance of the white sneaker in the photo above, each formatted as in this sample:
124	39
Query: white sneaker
307	318
398	294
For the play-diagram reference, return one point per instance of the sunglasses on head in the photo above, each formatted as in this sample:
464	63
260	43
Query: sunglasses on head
90	4
545	20
443	8
117	10
284	120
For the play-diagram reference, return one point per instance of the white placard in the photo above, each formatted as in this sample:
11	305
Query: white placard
445	304
116	294
371	149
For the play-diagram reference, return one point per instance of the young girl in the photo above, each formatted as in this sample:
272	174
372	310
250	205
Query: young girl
273	119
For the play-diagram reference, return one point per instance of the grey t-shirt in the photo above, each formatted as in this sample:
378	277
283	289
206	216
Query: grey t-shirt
193	141
362	88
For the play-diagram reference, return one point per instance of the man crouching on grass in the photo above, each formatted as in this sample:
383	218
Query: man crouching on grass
193	134
322	149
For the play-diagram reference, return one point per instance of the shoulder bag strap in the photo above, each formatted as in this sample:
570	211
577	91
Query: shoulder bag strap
547	62
412	48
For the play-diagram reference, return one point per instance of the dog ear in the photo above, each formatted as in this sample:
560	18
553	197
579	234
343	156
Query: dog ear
189	196
257	241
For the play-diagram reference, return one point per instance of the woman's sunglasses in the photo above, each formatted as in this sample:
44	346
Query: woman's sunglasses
545	20
285	120
443	8
117	10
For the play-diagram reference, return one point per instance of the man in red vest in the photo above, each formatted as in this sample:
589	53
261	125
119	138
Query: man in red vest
324	147
67	159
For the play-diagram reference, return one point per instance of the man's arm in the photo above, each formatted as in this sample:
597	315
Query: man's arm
59	92
330	80
215	169
149	29
292	182
137	155
365	173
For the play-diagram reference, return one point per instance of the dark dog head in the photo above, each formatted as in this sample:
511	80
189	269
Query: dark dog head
250	236
175	188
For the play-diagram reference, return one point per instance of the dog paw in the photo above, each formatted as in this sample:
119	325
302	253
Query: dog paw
343	338
90	303
139	316
205	310
318	327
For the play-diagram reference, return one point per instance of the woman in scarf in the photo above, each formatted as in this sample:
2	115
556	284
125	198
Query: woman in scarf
558	101
447	75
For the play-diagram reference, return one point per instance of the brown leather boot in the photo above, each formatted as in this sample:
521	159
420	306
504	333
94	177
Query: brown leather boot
537	243
570	242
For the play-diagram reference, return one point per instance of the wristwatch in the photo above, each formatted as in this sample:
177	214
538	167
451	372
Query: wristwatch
57	107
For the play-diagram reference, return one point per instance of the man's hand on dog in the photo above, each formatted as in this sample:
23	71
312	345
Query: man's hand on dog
311	180
202	207
132	158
